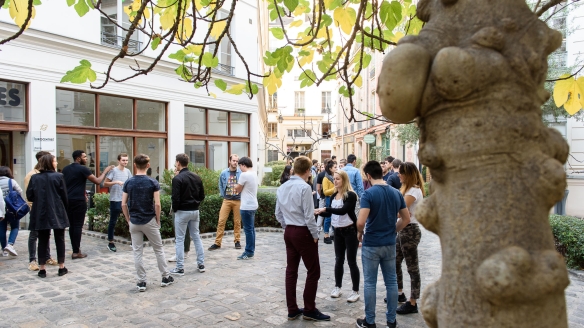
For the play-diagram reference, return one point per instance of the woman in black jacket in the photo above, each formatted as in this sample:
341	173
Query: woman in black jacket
343	219
48	193
285	174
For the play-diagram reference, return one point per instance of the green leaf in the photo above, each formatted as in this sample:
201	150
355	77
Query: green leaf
81	8
277	32
198	84
236	89
366	60
291	4
80	74
222	85
70	3
208	59
155	43
90	4
327	20
179	55
270	59
6	4
184	72
254	89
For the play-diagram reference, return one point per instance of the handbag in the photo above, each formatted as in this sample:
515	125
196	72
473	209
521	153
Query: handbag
16	206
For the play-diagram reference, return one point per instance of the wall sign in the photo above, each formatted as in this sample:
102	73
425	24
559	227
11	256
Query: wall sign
369	138
9	97
40	142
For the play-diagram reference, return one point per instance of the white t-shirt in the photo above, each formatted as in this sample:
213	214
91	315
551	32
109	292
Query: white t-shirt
417	194
340	221
249	199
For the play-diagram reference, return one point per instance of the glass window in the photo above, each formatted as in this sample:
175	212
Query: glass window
111	147
155	149
325	104
272	155
195	149
239	148
324	154
68	143
195	121
299	100
239	124
115	112
12	102
272	130
218	158
217	123
151	116
75	108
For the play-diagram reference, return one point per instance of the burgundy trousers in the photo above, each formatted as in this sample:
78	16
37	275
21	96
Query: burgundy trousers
301	245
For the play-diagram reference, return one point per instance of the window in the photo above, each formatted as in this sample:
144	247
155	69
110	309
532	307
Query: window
272	130
110	147
151	116
240	148
12	102
325	102
326	130
75	108
115	112
113	36
299	133
195	121
273	102
371	108
324	154
299	108
218	157
239	124
217	122
195	149
224	53
272	155
67	143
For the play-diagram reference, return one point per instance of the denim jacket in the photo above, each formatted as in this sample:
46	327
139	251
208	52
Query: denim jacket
355	179
223	180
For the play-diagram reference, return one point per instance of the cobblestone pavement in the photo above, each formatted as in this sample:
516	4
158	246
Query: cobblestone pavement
99	291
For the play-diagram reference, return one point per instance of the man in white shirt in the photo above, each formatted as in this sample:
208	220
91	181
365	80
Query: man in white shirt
247	187
115	180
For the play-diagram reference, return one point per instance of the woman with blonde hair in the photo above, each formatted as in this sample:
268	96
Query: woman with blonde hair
344	220
408	239
328	188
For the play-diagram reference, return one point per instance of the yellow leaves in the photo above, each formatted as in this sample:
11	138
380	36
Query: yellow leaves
194	49
345	18
18	12
213	95
322	32
186	26
296	23
569	93
306	59
272	83
359	81
167	19
218	28
396	37
132	9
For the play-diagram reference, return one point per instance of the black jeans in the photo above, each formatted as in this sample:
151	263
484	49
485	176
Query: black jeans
115	210
32	246
44	236
346	241
76	213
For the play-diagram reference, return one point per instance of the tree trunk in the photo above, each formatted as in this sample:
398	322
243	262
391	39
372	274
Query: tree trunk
474	80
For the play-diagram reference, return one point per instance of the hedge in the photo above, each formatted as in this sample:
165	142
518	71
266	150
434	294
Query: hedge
569	237
209	211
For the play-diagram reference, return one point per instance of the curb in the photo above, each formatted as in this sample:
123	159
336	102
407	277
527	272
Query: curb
125	241
576	274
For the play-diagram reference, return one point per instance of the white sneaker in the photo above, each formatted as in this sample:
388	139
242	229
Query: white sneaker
172	259
10	249
354	297
5	253
186	255
336	293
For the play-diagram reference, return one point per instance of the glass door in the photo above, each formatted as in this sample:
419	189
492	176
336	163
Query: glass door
5	149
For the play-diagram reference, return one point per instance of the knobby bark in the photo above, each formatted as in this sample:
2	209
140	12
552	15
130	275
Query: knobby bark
474	80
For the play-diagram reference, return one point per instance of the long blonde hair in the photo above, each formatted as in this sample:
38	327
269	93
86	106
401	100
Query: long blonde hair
345	184
411	177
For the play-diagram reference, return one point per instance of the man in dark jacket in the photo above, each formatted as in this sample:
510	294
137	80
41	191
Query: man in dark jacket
187	194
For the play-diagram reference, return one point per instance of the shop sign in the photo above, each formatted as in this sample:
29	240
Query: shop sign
9	97
369	138
40	142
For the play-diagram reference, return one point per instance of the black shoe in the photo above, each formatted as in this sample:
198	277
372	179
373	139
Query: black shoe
141	286
111	247
214	247
43	273
362	323
316	315
391	325
167	281
295	315
63	271
237	245
177	272
332	237
401	298
327	240
407	308
201	268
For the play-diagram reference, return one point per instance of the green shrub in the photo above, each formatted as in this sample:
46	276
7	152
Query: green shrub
209	215
210	179
427	189
569	236
272	163
273	178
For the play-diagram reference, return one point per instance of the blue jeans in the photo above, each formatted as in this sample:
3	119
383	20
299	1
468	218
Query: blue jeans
13	231
373	258
182	220
115	210
327	225
247	219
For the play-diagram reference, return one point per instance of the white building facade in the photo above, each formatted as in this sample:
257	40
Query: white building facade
156	114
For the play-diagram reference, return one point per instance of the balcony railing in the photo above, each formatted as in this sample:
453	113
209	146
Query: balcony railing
115	41
299	112
224	69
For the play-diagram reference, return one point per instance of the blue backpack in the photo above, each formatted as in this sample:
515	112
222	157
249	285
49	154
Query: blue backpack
16	207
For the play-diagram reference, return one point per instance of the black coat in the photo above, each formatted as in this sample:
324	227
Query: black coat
187	191
48	194
349	206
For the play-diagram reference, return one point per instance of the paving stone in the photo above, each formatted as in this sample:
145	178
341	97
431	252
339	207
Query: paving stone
218	309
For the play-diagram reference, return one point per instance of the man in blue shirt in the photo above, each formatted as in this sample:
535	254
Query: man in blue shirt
393	179
354	175
380	205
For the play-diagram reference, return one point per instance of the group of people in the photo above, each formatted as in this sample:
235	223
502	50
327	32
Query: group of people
373	208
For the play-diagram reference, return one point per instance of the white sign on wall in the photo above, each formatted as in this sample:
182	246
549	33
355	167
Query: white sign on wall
40	142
